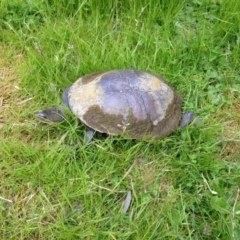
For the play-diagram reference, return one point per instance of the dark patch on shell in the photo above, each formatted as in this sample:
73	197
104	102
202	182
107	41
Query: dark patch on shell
133	127
91	77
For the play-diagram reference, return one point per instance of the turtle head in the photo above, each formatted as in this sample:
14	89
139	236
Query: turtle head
53	114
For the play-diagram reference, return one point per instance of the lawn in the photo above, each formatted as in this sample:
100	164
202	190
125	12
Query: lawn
185	186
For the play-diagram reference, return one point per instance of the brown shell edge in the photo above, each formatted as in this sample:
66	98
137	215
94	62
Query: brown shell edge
92	76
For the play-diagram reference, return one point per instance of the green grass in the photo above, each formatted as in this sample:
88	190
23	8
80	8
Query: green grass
53	187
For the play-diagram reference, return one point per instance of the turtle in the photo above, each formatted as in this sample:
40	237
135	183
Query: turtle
132	103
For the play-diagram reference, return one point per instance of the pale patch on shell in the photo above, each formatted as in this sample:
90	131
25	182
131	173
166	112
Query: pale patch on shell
157	85
82	96
124	125
155	122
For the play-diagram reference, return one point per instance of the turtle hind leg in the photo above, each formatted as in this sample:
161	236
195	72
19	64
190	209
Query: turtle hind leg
188	118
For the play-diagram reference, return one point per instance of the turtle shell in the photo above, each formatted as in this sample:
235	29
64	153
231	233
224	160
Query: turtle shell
131	103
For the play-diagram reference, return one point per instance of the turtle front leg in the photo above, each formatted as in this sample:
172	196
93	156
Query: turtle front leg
88	135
